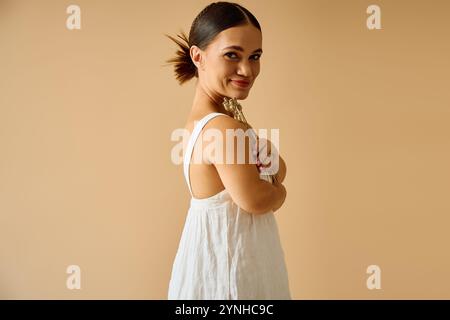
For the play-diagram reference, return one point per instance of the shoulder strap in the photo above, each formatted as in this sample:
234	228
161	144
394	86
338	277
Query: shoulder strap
191	142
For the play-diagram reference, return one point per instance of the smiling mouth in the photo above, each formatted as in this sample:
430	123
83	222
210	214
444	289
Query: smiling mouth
241	84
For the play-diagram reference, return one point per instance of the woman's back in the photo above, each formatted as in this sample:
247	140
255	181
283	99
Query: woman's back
204	178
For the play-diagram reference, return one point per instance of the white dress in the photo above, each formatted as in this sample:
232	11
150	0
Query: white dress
226	253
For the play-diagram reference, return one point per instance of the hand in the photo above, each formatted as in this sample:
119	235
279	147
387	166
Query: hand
265	150
259	165
263	156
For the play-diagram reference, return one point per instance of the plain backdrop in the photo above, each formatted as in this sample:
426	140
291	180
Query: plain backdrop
86	116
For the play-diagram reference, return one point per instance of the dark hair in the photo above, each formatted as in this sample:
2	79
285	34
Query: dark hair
212	20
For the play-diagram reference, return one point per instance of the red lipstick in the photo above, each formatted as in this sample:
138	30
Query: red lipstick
241	83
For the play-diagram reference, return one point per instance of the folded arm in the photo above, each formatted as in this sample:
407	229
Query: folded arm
281	173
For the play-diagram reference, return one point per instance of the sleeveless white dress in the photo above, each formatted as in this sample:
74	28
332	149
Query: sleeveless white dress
226	253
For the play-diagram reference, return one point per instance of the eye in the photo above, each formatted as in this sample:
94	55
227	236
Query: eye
233	55
257	57
230	53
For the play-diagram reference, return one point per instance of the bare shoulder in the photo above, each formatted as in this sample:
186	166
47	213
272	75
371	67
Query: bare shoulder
232	131
235	135
225	122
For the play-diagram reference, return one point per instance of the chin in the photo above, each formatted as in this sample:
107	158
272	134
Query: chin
240	94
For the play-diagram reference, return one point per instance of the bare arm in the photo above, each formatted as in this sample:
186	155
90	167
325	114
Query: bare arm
282	195
242	180
281	173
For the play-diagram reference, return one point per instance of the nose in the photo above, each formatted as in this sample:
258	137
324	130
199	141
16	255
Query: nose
245	69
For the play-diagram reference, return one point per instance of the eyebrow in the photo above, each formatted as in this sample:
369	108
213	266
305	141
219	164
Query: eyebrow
239	48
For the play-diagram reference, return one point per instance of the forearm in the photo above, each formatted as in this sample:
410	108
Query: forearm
280	195
281	174
270	197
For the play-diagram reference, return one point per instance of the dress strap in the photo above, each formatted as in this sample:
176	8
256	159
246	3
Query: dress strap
191	142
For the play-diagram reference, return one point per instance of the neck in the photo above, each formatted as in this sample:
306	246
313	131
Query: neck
207	102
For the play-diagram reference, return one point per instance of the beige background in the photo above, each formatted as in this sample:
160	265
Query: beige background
85	124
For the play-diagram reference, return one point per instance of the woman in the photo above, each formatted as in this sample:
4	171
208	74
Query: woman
230	246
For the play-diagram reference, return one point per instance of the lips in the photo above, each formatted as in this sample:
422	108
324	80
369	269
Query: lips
241	83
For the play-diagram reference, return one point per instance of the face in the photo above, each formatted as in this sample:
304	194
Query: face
231	57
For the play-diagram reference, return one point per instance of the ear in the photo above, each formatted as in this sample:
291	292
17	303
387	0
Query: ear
196	56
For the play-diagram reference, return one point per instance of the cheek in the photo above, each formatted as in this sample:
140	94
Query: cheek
220	69
256	69
227	70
